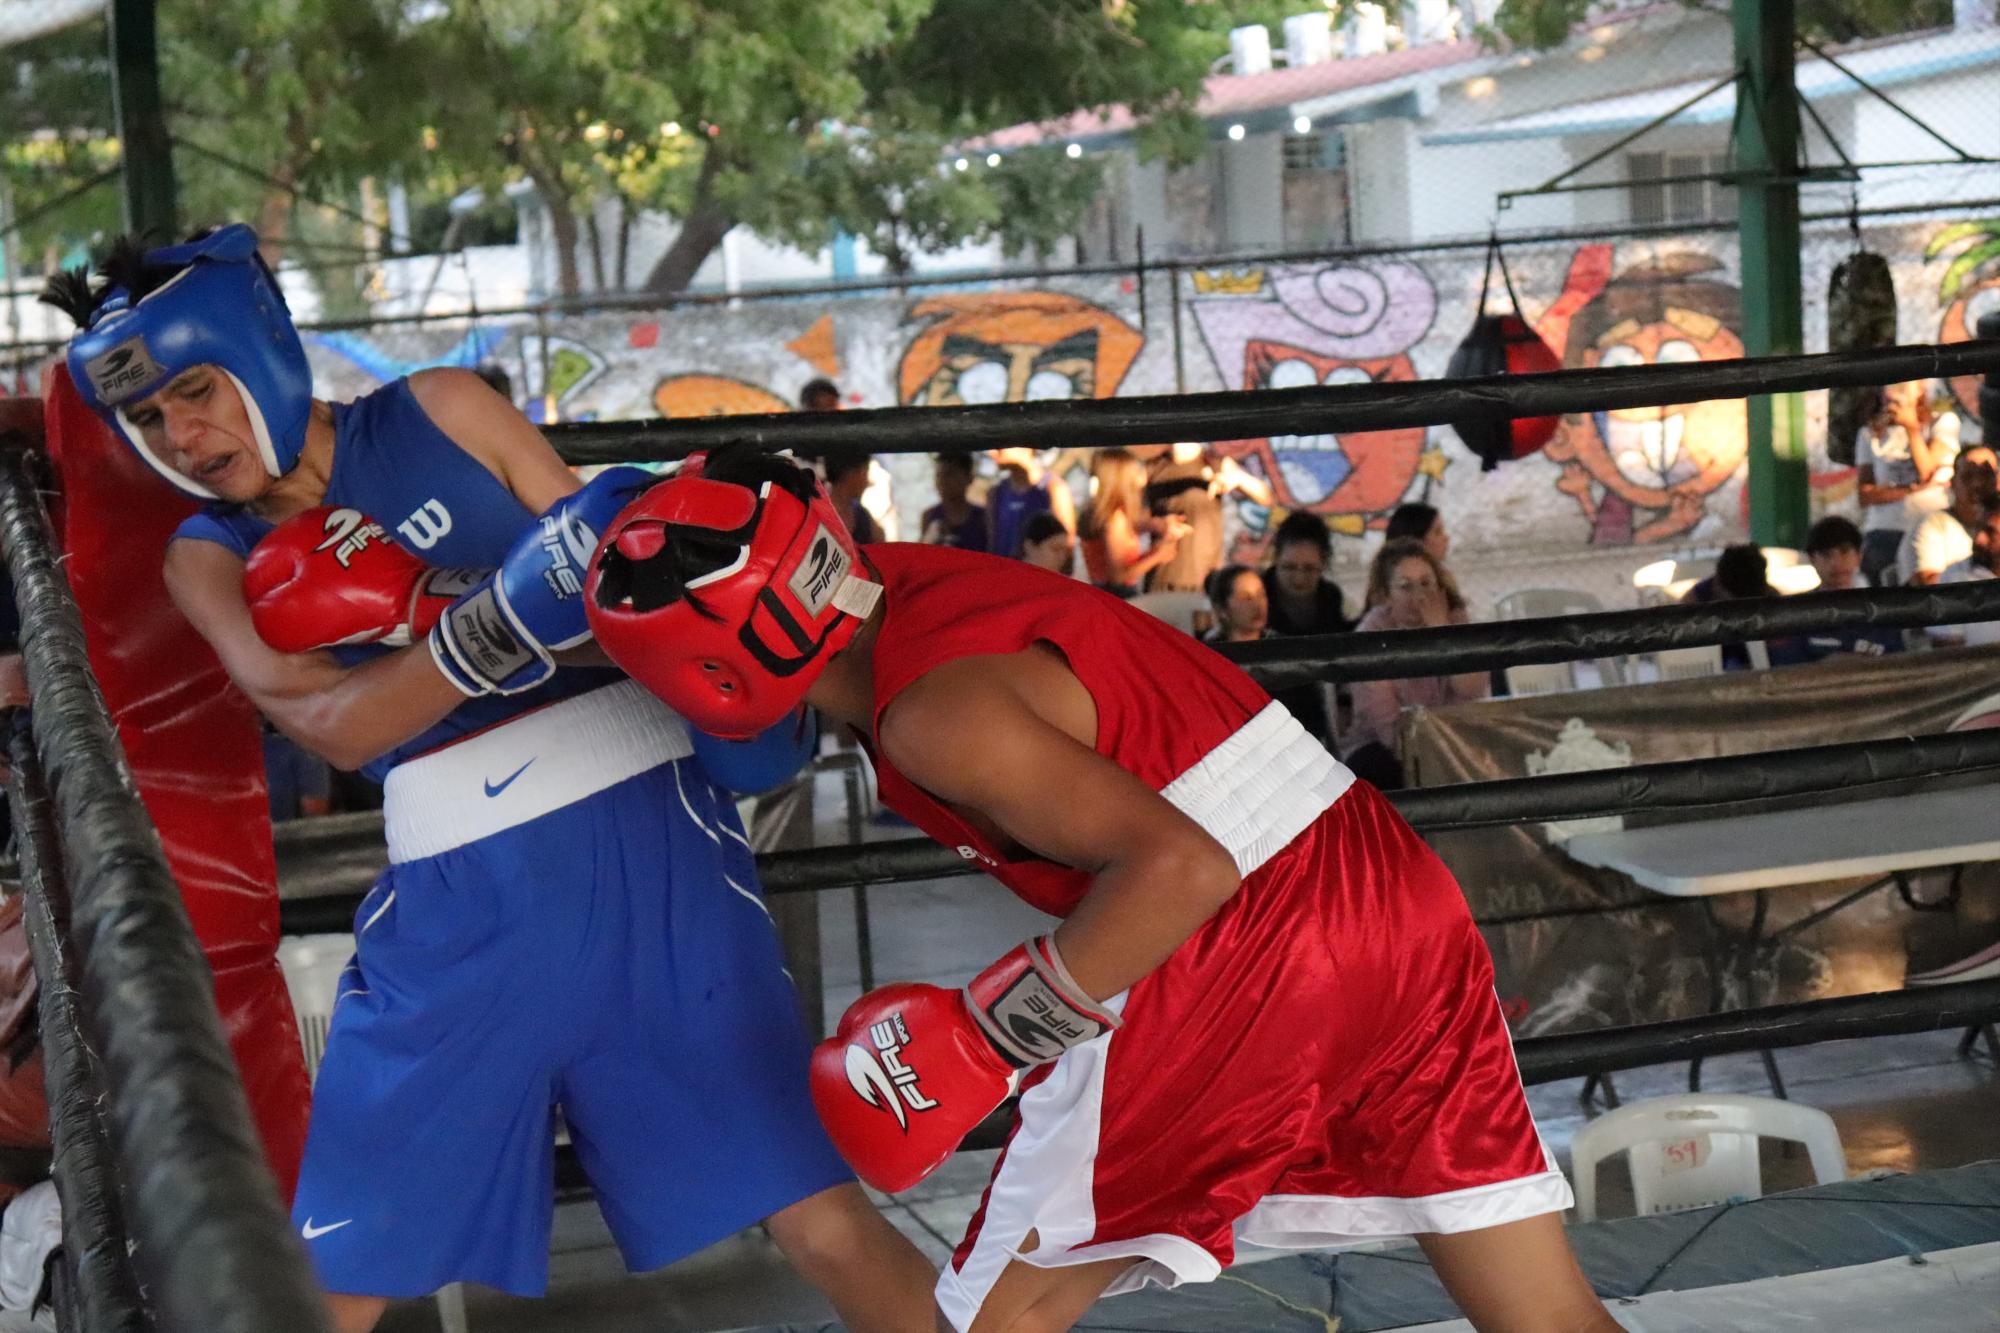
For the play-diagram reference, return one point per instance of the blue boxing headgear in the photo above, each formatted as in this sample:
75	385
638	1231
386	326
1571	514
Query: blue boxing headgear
222	309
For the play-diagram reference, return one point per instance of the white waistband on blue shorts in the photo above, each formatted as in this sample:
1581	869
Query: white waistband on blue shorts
526	767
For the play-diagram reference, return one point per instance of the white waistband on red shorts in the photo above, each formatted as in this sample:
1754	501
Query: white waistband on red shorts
526	767
1259	789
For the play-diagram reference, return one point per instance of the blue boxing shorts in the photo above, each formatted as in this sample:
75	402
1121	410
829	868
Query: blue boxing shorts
569	920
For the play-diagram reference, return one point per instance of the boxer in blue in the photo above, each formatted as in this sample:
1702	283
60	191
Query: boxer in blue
570	918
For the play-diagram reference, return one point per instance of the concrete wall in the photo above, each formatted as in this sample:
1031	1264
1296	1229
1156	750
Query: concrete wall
1664	479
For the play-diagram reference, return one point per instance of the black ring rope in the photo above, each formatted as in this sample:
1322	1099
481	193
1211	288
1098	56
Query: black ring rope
94	1249
1280	663
1254	414
328	869
213	1243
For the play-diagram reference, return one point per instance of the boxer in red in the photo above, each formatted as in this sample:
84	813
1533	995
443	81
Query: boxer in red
1266	1014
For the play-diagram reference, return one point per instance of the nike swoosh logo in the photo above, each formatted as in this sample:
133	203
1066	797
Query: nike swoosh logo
311	1232
495	788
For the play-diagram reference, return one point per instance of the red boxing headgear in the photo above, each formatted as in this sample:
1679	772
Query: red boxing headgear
727	588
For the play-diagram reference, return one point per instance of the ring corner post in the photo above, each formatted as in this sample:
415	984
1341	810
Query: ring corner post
1767	160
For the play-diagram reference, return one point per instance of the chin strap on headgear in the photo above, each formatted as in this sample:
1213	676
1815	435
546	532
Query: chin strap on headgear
727	601
222	309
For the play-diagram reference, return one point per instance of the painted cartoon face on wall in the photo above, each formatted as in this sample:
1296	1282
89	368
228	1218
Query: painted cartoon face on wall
1014	347
713	396
1969	290
1644	474
1289	328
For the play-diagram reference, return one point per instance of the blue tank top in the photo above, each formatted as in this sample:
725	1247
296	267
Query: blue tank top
391	462
1010	510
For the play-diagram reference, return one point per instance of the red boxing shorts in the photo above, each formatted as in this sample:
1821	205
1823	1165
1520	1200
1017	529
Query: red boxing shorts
1325	1062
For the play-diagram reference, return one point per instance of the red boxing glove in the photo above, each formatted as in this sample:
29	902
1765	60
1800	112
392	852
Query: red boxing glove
333	576
913	1068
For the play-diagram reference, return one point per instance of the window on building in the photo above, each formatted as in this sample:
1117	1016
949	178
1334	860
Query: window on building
1315	186
1658	190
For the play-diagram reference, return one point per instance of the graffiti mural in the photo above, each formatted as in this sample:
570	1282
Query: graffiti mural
1969	289
1284	328
1645	474
1012	347
713	396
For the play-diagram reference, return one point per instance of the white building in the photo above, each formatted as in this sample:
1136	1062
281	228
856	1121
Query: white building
1388	134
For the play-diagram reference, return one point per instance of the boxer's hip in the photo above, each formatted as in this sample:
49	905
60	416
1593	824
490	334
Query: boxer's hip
527	767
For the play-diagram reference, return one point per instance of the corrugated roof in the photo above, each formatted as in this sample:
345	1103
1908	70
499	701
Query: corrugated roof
1886	66
1227	95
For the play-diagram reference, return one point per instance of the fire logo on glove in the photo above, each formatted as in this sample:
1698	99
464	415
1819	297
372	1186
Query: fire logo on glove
886	1082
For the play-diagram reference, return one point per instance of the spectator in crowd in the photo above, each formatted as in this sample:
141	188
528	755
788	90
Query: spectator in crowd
1186	481
1941	540
954	520
1046	544
1424	523
298	783
1407	589
1417	521
1740	571
1904	461
1242	607
1834	546
1983	563
846	482
819	395
1302	600
1025	487
878	497
1112	551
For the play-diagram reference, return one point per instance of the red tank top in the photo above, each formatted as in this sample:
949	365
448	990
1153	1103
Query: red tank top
1170	711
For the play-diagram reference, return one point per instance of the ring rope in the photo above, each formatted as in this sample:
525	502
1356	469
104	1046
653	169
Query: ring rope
95	1252
1255	414
213	1245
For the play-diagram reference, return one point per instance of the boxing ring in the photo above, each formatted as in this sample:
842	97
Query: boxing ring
172	1218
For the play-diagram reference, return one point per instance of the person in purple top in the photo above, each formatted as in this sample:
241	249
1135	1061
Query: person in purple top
954	520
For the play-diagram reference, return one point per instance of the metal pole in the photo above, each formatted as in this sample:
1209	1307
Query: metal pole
141	121
1767	154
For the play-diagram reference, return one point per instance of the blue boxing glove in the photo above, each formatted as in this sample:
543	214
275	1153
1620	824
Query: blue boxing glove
766	760
500	637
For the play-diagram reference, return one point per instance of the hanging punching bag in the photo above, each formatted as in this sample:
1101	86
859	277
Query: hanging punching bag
1502	345
1860	316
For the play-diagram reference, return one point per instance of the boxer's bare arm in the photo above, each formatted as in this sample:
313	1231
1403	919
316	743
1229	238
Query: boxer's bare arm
345	715
1034	774
492	430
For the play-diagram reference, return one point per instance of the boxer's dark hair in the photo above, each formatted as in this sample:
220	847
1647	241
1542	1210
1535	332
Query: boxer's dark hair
688	553
121	266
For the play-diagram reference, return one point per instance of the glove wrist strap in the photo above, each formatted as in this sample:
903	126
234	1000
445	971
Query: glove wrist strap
1031	1008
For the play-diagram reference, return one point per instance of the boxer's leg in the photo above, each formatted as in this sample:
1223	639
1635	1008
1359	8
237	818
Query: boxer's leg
1518	1277
1028	1299
877	1280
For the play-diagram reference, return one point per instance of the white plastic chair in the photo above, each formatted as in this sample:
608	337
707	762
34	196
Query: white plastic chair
312	965
1535	603
1698	1149
1689	663
1540	678
1176	608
